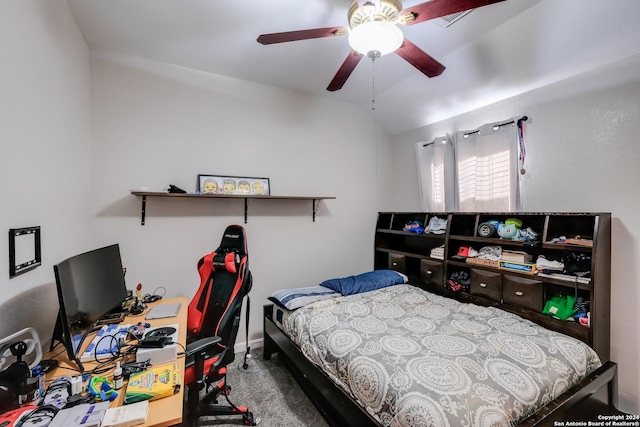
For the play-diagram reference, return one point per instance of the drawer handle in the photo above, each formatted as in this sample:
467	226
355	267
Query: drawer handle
429	272
483	285
394	264
519	293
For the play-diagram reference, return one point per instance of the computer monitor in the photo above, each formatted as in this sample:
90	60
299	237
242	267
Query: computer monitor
89	286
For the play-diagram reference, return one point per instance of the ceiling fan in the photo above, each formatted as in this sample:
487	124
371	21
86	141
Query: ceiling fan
376	21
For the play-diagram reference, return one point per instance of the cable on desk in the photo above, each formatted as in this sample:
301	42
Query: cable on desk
58	353
70	368
184	350
124	350
103	367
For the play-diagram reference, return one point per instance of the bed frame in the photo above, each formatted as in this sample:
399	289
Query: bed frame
406	252
596	395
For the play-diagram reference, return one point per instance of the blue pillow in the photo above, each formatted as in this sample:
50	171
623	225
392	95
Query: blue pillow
297	297
365	282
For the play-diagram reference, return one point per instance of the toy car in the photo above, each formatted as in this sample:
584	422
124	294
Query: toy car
488	228
509	229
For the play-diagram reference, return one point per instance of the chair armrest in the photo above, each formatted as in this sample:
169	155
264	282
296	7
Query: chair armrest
201	345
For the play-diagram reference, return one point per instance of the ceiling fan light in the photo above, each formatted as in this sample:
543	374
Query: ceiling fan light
380	36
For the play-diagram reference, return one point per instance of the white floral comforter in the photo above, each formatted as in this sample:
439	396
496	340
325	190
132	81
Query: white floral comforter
413	358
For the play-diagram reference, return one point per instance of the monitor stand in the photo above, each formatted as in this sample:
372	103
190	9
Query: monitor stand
59	336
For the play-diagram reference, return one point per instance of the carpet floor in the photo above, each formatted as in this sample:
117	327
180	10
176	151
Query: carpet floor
271	393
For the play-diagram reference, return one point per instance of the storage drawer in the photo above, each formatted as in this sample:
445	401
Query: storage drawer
397	262
524	292
432	272
486	283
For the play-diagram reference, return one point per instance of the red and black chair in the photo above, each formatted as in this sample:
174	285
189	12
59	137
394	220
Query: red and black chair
212	322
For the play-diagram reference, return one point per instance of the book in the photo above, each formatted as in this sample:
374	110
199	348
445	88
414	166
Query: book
127	415
153	383
516	256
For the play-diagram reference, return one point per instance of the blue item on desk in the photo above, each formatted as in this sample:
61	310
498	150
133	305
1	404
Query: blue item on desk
106	341
38	372
102	389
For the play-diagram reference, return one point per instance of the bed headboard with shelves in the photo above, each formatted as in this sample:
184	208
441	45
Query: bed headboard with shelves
429	260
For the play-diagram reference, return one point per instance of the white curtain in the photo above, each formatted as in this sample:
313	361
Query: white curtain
436	173
487	168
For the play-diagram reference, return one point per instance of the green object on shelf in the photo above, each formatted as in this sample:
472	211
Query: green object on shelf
513	221
560	307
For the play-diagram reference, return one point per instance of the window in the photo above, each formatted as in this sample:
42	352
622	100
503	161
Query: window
435	173
487	169
477	171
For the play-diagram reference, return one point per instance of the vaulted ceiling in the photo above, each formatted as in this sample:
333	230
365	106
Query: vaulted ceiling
492	53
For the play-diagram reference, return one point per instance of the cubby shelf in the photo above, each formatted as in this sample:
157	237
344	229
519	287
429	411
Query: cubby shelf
518	292
315	200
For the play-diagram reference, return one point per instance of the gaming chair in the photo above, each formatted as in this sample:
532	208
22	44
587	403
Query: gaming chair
212	324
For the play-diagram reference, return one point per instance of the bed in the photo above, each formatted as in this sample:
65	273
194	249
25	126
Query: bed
403	356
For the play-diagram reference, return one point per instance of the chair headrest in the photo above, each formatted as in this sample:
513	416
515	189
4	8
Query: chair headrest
226	262
233	239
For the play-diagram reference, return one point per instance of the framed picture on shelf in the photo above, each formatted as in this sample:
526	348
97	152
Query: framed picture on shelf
238	185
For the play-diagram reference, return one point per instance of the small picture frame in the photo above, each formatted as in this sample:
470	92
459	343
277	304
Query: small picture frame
24	250
233	185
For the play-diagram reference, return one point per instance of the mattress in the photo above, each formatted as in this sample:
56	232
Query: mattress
280	315
413	358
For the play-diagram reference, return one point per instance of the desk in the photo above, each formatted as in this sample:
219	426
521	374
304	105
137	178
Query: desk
162	412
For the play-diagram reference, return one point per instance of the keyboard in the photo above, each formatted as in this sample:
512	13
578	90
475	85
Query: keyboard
102	346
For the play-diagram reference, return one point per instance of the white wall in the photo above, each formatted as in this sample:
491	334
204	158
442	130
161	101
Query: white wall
45	150
78	134
69	159
582	156
155	125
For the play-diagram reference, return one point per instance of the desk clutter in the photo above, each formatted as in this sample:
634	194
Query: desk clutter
135	363
62	405
144	356
158	345
97	414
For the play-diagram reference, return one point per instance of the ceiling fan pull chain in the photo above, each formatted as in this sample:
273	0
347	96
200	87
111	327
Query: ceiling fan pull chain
373	88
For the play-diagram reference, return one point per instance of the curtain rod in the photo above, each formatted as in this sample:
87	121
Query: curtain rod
466	135
497	127
444	139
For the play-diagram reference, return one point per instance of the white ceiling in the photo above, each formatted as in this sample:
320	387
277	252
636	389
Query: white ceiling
495	52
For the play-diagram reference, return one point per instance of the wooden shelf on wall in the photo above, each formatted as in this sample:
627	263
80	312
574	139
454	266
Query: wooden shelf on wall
315	200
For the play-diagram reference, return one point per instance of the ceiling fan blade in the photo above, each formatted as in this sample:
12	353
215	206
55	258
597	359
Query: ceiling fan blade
291	36
420	59
438	8
344	71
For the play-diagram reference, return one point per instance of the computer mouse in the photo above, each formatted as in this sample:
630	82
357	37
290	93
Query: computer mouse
48	364
152	298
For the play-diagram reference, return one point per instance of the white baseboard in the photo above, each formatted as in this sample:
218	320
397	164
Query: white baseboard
242	347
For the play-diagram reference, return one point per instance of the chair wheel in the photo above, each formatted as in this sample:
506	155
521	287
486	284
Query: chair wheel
249	420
